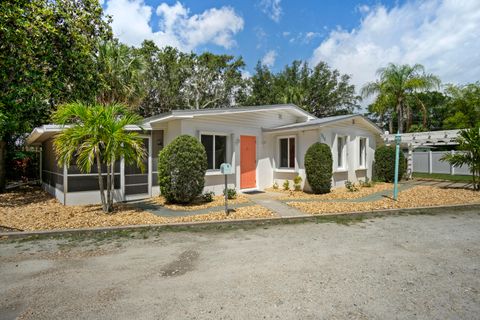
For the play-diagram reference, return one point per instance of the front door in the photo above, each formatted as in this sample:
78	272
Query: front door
137	183
248	162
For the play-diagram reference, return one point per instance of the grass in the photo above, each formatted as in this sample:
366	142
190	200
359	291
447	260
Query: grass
443	176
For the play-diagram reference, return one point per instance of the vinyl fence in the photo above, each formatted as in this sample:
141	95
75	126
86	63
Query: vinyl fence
429	162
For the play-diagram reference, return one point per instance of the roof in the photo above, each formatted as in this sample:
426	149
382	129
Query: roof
42	133
324	121
189	113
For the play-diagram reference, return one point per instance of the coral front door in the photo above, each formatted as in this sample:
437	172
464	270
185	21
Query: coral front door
248	162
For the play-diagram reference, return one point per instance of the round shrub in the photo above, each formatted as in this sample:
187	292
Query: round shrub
181	169
384	166
318	166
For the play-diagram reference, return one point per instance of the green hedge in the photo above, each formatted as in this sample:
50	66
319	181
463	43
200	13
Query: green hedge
318	166
181	169
384	166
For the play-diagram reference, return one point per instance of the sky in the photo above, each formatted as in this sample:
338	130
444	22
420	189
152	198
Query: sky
355	37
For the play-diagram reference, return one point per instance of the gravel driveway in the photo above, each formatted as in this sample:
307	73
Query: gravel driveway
407	267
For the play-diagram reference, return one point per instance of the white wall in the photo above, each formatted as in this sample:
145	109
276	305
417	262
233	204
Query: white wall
328	135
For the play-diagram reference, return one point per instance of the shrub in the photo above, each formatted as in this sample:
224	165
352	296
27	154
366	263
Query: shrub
384	166
275	185
297	183
367	183
318	166
286	185
181	169
231	193
208	196
351	187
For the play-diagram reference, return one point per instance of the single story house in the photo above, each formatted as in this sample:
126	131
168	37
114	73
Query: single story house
264	144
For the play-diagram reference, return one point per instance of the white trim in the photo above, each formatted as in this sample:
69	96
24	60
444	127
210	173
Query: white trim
289	169
363	165
344	166
150	164
213	134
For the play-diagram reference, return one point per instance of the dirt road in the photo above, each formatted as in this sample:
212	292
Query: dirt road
409	267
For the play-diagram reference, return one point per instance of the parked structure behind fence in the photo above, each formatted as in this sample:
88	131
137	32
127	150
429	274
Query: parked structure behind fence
429	162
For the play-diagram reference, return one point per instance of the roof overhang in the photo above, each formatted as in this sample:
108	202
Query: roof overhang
190	114
43	133
311	125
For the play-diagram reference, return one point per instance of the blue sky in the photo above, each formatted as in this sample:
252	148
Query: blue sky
356	37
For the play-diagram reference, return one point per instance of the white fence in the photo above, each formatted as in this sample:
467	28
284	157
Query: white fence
429	162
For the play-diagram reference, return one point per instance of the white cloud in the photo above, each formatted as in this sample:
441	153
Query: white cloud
441	35
272	9
269	58
132	18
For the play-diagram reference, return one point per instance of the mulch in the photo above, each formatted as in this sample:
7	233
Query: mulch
418	196
31	208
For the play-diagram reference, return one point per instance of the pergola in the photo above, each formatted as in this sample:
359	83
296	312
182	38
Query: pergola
419	139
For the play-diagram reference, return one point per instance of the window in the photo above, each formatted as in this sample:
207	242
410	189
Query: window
287	152
341	152
216	148
362	159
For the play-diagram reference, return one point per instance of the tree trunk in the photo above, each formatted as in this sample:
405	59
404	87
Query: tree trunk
112	185
100	182
109	182
3	171
400	116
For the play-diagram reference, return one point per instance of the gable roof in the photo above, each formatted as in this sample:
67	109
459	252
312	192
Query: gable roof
189	113
324	121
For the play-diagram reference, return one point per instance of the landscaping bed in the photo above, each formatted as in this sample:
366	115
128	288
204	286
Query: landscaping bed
198	204
336	193
33	209
419	196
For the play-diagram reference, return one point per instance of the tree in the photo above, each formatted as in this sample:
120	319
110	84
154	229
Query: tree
166	72
318	167
262	87
214	81
96	135
463	106
182	165
384	165
469	142
381	108
46	58
319	90
399	81
121	72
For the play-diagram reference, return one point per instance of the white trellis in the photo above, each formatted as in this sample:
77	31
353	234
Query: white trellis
414	140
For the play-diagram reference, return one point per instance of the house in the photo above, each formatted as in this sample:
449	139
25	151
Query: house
262	143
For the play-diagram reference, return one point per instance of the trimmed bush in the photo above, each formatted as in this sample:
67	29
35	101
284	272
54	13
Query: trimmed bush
181	169
318	166
384	166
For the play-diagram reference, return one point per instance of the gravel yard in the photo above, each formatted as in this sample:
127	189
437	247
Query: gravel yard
404	267
336	193
218	201
34	209
419	196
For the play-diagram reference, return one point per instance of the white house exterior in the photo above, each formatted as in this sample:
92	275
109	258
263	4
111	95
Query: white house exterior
262	143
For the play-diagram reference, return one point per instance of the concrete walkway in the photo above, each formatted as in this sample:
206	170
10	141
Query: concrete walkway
270	201
165	212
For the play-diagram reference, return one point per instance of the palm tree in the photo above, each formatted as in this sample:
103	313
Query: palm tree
121	72
96	135
468	141
399	81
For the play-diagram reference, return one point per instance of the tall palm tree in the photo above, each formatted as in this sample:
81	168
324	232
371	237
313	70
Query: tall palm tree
469	142
122	74
399	81
96	135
